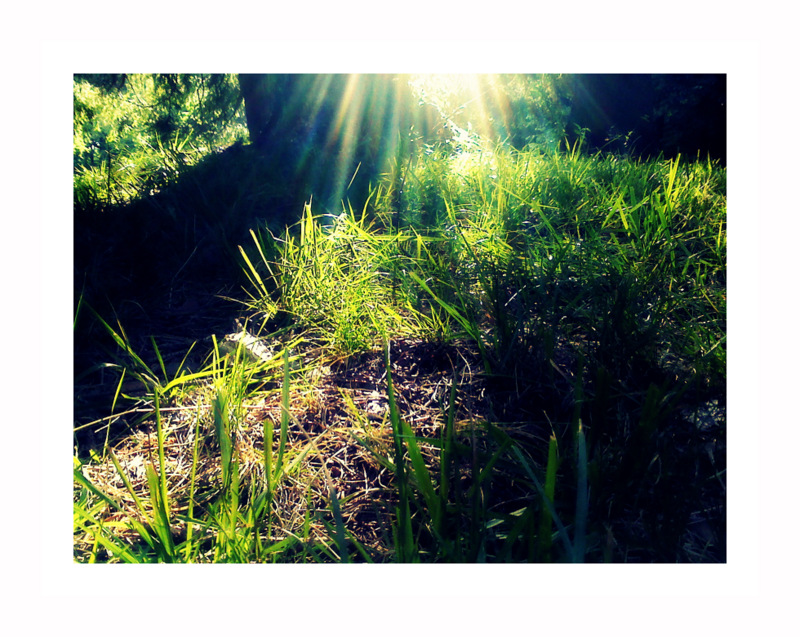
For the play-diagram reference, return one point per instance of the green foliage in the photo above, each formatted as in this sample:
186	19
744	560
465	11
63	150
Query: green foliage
537	112
342	280
134	134
523	110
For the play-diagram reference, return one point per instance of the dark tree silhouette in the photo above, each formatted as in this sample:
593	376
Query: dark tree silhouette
334	134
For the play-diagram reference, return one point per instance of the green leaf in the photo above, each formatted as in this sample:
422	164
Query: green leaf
222	428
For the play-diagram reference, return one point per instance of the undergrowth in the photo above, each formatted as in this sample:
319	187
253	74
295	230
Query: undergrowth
519	358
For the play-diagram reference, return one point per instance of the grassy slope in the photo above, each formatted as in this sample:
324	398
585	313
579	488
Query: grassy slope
554	387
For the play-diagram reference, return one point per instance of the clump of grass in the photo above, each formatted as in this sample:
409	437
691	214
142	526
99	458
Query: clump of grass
339	278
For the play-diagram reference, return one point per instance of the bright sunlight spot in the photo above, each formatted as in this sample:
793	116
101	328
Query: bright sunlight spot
470	104
458	95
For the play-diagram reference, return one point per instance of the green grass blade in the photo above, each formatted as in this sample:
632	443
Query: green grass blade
673	173
340	536
138	526
81	479
159	495
252	273
285	414
161	459
188	548
582	501
112	545
470	327
562	531
447	448
269	432
122	342
186	379
421	475
546	523
404	542
79	305
222	428
129	486
159	357
166	548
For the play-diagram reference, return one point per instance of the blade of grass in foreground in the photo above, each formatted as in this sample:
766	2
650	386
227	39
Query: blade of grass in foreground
157	485
341	540
192	482
285	393
582	503
404	542
269	432
112	545
222	427
421	474
562	531
146	375
161	460
546	524
160	516
140	528
447	448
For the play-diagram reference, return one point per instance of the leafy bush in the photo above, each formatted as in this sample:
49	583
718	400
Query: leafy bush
133	134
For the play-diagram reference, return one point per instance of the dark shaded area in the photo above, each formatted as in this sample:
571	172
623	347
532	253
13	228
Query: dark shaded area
648	115
160	267
655	427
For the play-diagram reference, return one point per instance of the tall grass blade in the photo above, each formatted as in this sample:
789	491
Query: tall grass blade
269	432
470	327
158	356
158	492
113	546
404	542
252	273
219	405
161	459
192	483
582	499
447	448
546	523
128	486
140	528
562	531
421	475
670	191
160	516
285	394
146	375
340	537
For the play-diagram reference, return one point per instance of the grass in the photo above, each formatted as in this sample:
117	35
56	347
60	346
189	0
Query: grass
506	368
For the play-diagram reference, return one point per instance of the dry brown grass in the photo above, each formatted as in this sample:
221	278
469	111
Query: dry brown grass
333	405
